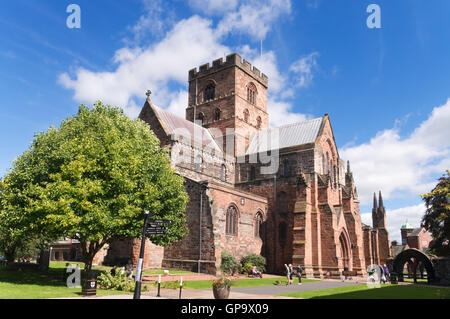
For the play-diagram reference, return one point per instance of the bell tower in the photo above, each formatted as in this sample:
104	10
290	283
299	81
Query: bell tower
230	99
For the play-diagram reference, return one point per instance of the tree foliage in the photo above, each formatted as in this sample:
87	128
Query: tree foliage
437	216
92	178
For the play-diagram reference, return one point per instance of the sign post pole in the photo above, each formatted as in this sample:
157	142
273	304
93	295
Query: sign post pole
159	286
137	288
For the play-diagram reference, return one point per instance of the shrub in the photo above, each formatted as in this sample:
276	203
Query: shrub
247	268
229	265
255	260
223	282
117	282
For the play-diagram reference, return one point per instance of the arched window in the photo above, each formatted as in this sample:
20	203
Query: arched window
282	203
334	175
258	222
231	221
210	92
326	163
286	169
223	173
217	114
282	233
198	163
258	122
251	93
323	165
201	118
246	115
252	173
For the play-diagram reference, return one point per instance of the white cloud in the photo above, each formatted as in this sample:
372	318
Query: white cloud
281	113
395	218
304	69
190	43
399	165
212	7
254	17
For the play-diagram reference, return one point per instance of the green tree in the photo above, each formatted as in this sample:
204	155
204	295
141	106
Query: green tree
437	216
92	178
17	239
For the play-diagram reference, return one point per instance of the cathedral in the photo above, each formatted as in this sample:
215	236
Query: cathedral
283	193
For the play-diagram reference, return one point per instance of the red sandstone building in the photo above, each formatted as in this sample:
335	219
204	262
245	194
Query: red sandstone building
281	192
417	238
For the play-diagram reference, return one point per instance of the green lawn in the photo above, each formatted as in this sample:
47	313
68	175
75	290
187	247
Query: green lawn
250	282
384	292
146	271
40	285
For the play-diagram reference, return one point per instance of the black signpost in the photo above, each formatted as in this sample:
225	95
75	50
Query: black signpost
151	227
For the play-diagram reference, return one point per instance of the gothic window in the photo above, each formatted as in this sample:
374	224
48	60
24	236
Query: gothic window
246	115
323	164
258	222
326	163
198	163
223	173
210	92
251	93
217	114
231	221
201	118
252	173
286	169
282	233
282	203
258	122
334	175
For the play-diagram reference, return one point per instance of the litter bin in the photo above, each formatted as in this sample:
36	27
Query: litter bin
394	278
89	286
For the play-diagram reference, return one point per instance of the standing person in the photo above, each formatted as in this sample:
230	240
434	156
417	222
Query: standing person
386	272
291	273
129	269
299	274
288	274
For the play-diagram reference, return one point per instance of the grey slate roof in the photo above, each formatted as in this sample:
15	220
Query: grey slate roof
177	126
397	249
415	232
288	135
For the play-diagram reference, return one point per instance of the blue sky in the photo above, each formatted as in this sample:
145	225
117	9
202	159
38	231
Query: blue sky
387	90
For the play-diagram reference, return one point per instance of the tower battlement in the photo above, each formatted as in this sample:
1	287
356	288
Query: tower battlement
231	60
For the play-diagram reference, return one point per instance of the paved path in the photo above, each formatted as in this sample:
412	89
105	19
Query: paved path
191	277
273	289
262	292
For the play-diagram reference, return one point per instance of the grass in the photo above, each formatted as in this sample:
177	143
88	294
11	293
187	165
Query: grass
41	284
250	282
145	272
419	280
384	292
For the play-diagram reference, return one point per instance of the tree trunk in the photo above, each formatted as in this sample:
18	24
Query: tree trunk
10	255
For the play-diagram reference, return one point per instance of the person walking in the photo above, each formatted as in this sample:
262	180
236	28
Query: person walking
291	273
299	274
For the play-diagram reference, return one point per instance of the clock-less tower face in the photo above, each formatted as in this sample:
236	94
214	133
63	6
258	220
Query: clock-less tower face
230	99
